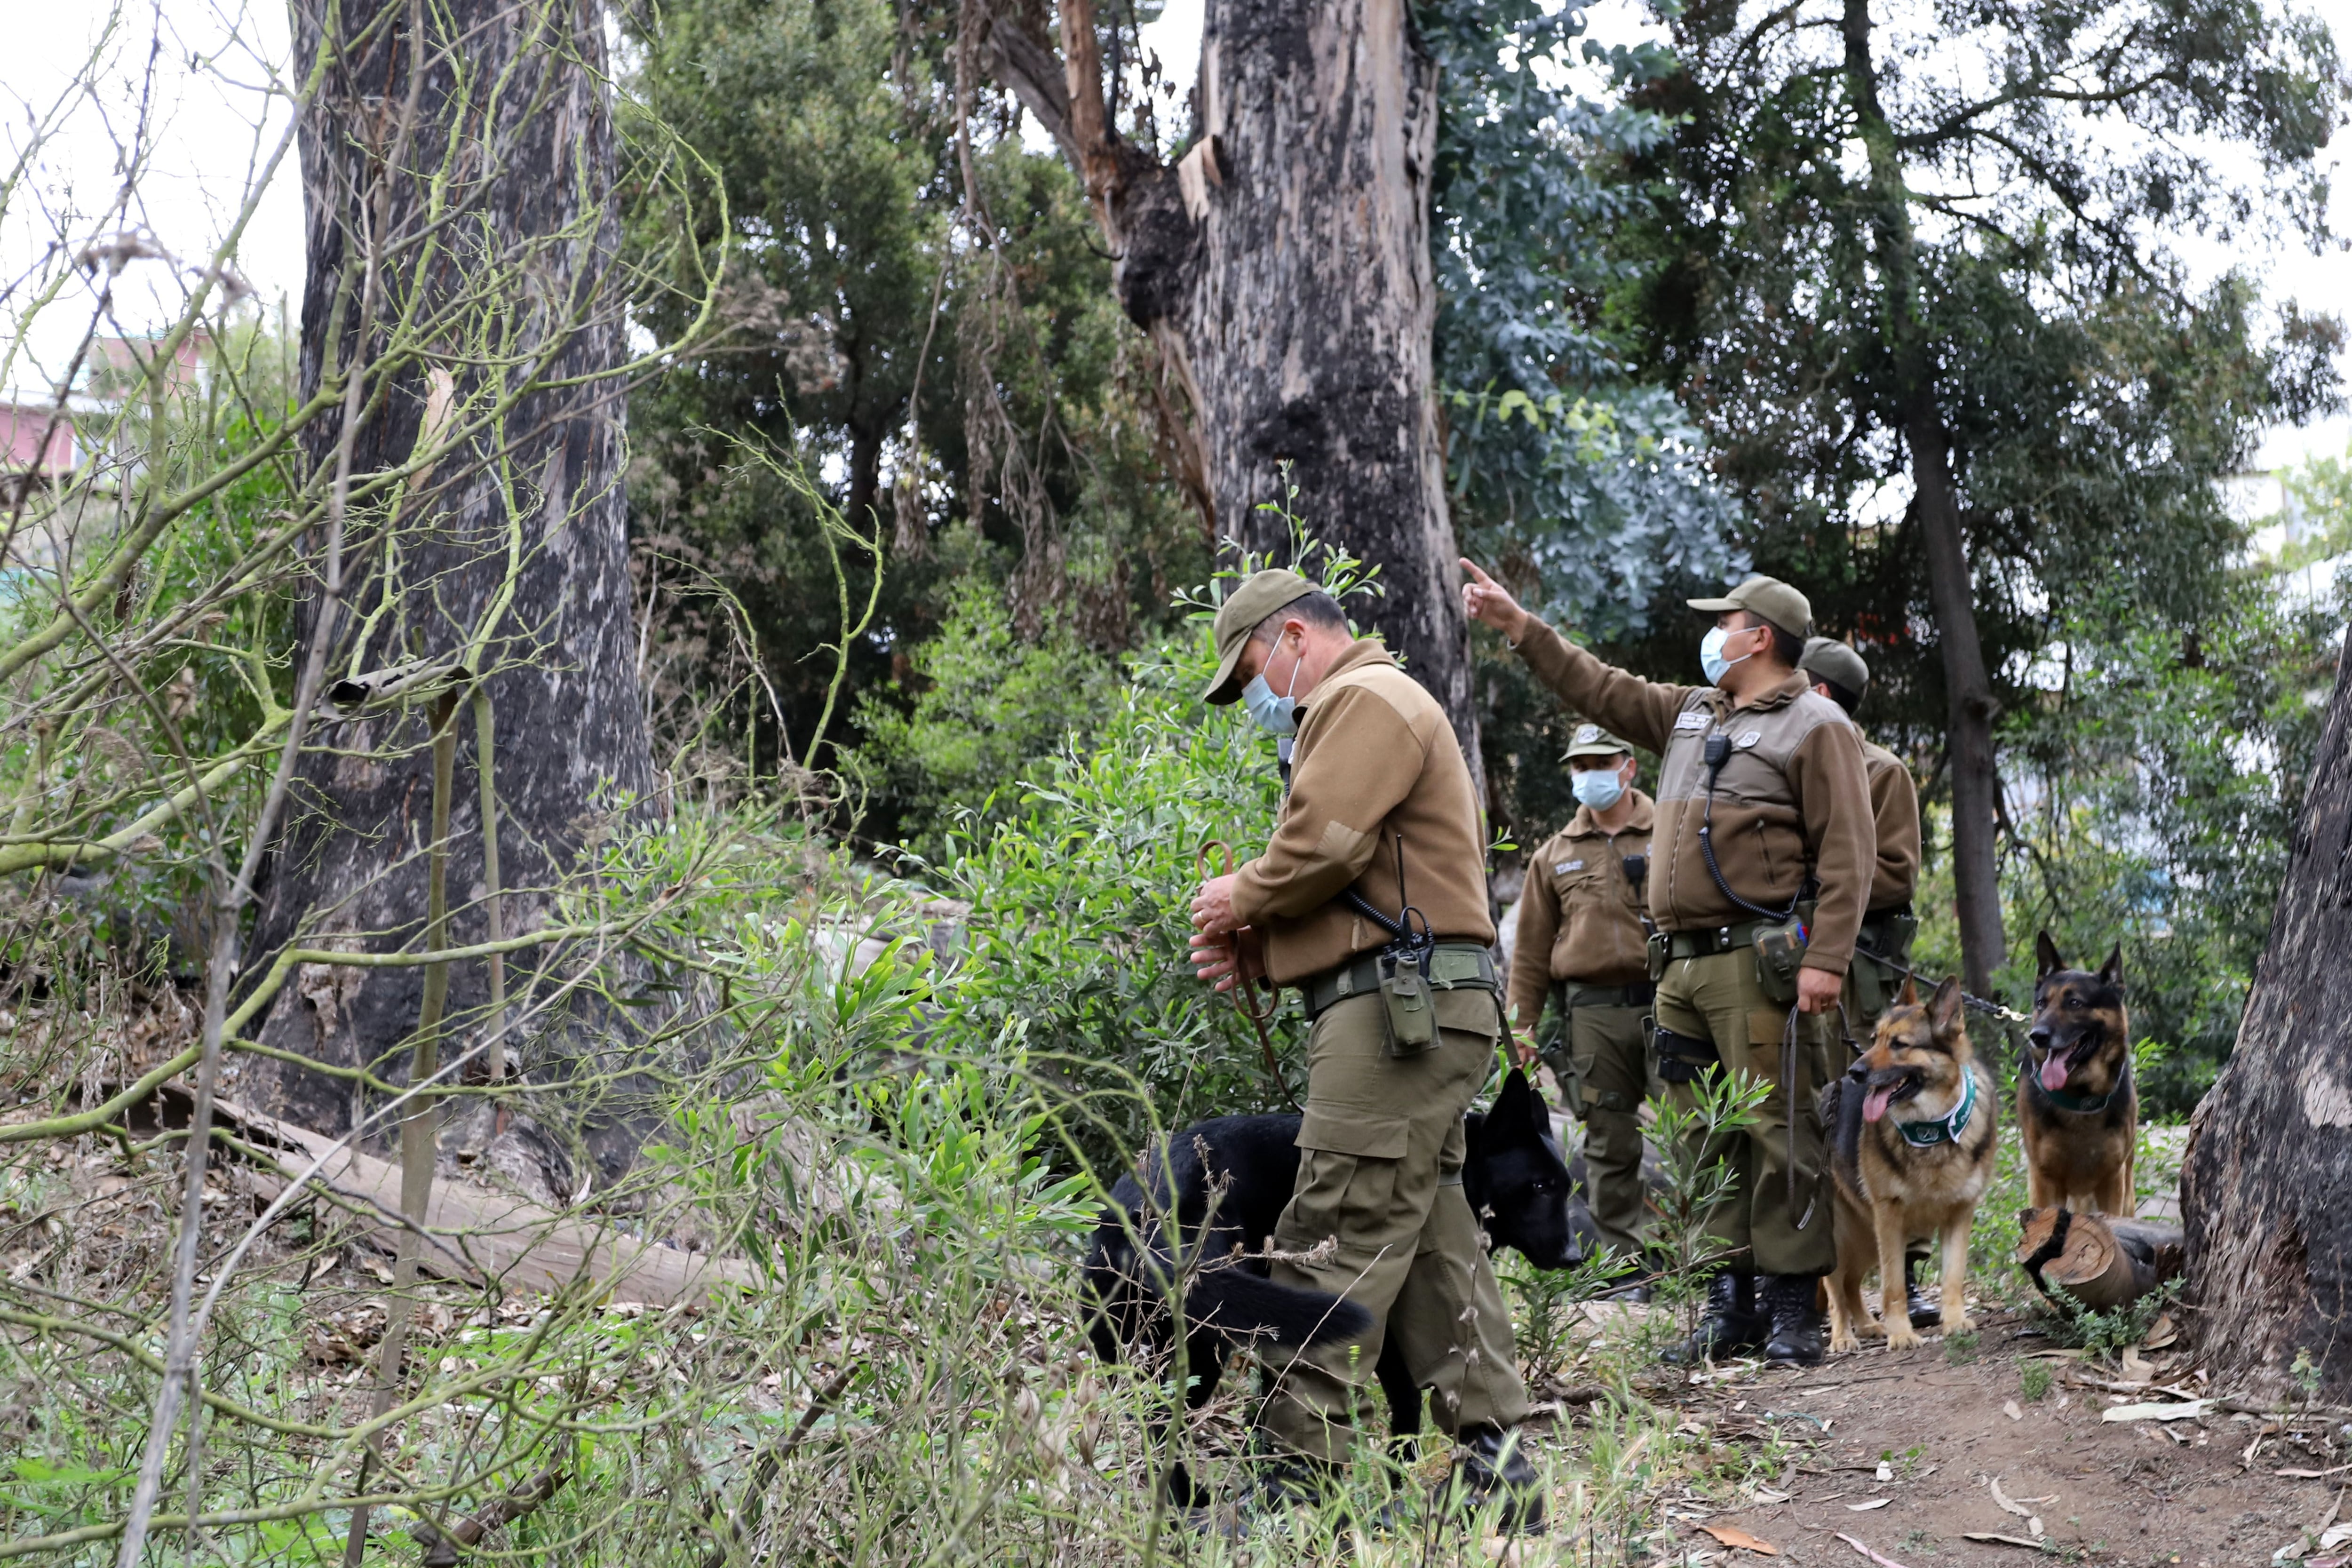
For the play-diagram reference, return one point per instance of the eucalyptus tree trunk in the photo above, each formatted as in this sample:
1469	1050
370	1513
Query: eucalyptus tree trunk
2266	1188
457	176
1282	267
1970	708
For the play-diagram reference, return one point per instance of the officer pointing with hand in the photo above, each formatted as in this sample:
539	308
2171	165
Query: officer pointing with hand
1760	872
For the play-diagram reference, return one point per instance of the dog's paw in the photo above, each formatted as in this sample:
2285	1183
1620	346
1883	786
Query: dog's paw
1958	1322
1871	1331
1904	1338
1844	1341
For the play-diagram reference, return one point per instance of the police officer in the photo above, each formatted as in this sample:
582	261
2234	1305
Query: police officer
1839	673
1392	1060
1583	924
1759	873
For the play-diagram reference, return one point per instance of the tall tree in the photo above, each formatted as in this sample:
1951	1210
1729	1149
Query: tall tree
1282	266
2266	1189
1914	251
457	170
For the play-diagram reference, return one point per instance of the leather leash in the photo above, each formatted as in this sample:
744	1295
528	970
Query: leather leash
1244	991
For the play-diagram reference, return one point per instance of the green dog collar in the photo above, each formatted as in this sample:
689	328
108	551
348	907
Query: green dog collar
1946	1127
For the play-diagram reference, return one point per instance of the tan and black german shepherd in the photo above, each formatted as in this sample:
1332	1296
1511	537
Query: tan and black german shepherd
2077	1110
1913	1155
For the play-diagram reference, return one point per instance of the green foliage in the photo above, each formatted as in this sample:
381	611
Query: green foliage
2110	1333
989	711
2035	1379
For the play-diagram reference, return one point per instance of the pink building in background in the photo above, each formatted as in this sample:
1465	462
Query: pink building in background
37	444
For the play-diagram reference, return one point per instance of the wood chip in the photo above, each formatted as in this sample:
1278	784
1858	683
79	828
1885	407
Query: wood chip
2007	1503
1882	1561
1732	1535
1866	1507
2009	1408
2000	1540
2156	1412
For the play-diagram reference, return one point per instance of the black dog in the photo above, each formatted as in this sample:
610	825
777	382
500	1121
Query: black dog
1226	1181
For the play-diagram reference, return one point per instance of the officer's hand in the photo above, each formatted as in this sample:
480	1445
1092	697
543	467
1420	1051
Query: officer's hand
1483	599
1529	1055
1818	990
1221	961
1212	907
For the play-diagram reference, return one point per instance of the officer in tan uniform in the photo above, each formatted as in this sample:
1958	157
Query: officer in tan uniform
1395	1050
1583	926
1760	872
1841	675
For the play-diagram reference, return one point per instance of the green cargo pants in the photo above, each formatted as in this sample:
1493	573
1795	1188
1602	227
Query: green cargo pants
1379	1178
1602	1054
1717	996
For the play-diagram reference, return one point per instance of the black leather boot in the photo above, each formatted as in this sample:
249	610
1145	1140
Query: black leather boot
1730	1324
1789	1302
1927	1312
1493	1479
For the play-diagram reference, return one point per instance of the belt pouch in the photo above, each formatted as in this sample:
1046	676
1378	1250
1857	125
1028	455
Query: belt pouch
1780	951
1681	1058
1405	1003
1659	949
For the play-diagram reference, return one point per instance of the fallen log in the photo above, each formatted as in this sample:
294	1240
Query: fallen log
472	1234
2099	1260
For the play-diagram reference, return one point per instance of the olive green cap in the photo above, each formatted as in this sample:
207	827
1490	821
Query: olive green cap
1770	597
1832	660
1592	741
1258	597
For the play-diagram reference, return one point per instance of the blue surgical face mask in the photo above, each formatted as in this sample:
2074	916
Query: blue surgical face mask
1599	788
1710	655
1275	714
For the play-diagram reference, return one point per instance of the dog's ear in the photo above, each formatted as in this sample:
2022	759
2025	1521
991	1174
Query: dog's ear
2111	972
1944	1007
1519	1108
2045	953
1910	997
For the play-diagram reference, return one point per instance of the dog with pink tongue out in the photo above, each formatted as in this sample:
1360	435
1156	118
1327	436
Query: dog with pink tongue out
2077	1110
1914	1133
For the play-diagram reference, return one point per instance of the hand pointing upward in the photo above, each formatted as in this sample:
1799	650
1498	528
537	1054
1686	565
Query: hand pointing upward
1483	599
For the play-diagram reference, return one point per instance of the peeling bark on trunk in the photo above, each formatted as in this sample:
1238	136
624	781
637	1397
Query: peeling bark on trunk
1283	270
1970	708
2266	1188
525	251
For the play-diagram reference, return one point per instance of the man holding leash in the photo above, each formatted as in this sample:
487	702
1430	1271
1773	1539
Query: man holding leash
1405	1022
1839	673
1759	875
1584	924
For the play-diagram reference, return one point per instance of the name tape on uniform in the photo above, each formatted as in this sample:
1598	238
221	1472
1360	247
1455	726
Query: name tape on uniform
1691	718
1565	867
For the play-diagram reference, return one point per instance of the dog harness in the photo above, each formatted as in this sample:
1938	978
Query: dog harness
1946	1127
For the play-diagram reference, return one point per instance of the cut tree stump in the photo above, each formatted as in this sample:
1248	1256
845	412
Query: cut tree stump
2100	1261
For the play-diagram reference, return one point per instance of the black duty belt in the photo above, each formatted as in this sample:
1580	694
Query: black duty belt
1708	940
1640	995
1452	965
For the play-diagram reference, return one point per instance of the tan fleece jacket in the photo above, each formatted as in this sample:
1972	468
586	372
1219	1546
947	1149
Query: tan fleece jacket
1791	798
1895	810
1580	916
1375	759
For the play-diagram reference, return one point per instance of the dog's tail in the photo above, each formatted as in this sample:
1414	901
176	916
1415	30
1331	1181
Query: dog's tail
1241	1302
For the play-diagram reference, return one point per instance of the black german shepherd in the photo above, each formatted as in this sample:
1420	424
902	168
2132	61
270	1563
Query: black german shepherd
1227	1180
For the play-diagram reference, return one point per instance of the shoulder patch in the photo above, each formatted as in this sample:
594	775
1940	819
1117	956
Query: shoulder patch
1692	719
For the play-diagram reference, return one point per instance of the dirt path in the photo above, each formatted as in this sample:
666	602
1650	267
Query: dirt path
1937	1423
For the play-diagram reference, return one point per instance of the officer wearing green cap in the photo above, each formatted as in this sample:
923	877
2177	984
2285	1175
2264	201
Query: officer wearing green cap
1759	873
1841	675
1377	792
1583	925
